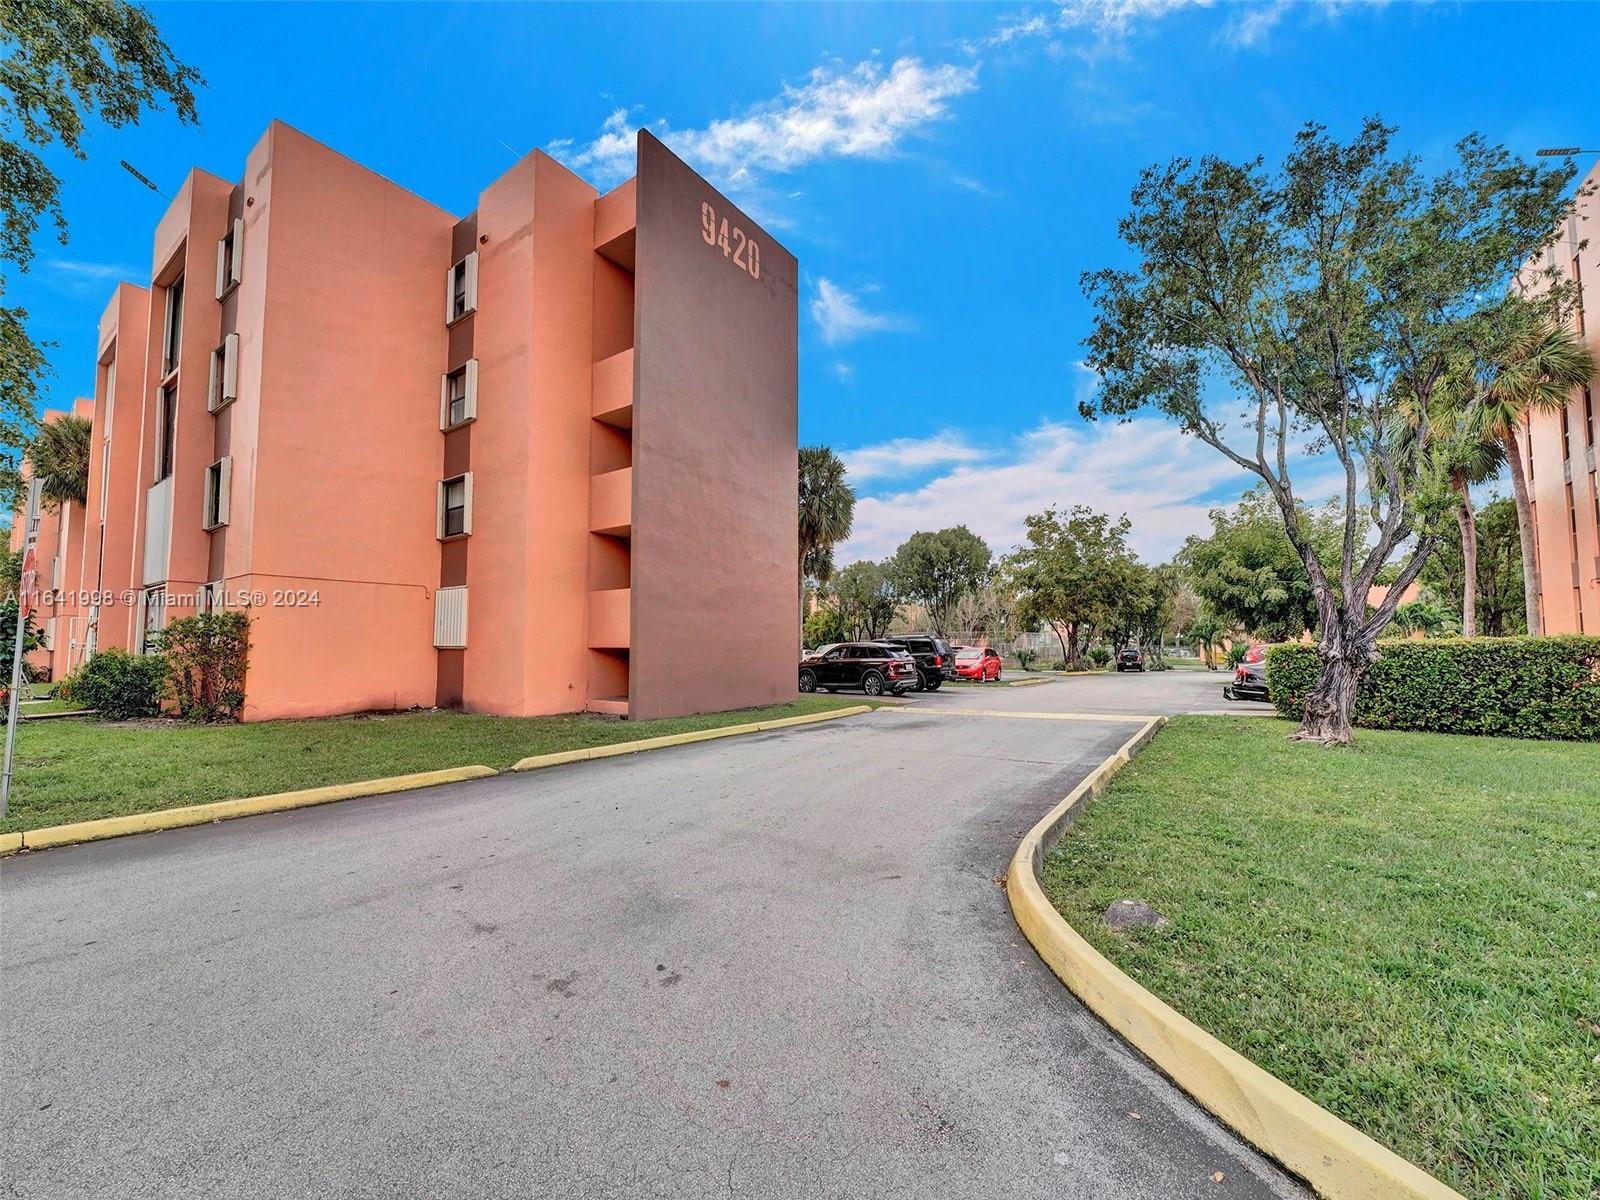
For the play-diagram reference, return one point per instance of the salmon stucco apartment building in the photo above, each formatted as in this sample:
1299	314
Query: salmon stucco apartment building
1562	471
540	458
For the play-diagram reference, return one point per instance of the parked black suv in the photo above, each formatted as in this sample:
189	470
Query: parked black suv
870	666
936	661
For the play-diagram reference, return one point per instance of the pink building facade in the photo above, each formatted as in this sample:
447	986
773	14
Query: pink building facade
536	459
1561	449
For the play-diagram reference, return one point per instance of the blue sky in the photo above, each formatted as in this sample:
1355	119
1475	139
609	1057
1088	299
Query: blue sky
943	172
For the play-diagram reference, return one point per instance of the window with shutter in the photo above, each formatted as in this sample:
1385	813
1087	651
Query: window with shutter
461	289
454	516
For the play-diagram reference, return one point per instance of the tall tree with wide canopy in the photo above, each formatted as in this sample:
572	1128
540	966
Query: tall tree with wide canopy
865	595
63	64
1276	312
1250	575
827	510
1071	573
936	570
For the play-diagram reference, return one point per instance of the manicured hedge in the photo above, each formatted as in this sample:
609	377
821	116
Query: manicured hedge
1508	687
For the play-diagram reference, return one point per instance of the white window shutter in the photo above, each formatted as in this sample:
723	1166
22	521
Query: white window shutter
450	618
236	266
230	367
224	488
222	266
470	409
466	502
214	388
472	281
444	401
438	512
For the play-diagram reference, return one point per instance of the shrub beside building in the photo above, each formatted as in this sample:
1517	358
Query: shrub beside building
1503	687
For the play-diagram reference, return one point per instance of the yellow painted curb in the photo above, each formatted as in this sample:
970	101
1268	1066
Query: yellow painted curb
1025	716
812	718
538	761
1338	1160
10	843
224	810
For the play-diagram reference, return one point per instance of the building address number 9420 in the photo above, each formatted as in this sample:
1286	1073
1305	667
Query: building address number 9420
736	245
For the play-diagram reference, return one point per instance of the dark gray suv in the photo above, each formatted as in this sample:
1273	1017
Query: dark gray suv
936	661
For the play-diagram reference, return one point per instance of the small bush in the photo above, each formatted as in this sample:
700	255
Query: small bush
1025	659
1060	664
1099	657
206	659
118	685
1505	687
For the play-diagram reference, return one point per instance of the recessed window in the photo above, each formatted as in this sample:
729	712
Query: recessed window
154	618
219	482
224	387
172	331
461	289
166	429
458	396
230	258
455	507
105	476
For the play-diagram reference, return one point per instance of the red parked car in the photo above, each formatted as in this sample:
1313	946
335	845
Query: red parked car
978	662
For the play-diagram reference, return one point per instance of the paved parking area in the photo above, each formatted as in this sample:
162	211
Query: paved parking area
776	965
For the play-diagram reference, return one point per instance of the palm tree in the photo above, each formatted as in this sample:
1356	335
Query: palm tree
1538	371
1206	630
59	458
1471	458
1463	454
827	508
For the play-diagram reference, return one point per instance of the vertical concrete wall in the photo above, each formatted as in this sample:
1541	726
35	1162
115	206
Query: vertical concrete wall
1562	449
341	401
108	562
714	618
526	555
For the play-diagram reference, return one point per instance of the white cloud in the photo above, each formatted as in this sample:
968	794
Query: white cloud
1145	468
844	372
1255	22
1097	26
1108	21
86	278
841	317
838	112
904	456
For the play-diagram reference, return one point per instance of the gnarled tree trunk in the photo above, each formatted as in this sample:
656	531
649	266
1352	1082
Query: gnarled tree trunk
1330	706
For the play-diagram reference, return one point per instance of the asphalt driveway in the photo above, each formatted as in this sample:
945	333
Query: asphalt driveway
776	965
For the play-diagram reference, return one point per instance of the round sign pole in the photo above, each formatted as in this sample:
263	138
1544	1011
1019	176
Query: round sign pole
25	593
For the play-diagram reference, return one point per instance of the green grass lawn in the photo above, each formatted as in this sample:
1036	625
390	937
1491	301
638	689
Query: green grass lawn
1407	931
32	708
79	768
